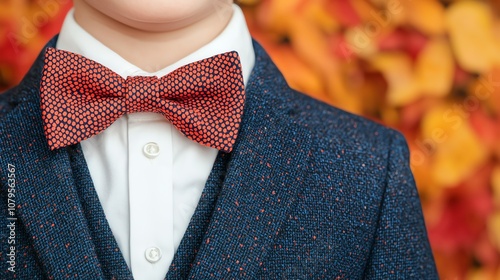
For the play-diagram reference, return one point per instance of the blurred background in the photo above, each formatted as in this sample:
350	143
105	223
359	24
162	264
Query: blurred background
428	68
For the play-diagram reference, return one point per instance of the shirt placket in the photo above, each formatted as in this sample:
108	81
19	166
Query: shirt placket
151	198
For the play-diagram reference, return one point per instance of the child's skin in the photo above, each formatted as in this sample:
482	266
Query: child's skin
155	33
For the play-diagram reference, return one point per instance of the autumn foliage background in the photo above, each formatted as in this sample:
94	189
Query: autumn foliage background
428	68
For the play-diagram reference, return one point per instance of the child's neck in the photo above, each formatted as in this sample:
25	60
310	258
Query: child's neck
151	47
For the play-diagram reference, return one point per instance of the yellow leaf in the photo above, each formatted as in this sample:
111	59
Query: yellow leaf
470	26
397	69
362	43
435	68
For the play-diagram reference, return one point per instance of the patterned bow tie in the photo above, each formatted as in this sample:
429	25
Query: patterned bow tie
80	98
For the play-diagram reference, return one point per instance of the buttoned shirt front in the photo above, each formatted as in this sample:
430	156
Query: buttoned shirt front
148	176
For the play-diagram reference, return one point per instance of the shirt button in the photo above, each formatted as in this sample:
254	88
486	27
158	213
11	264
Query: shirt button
153	254
151	150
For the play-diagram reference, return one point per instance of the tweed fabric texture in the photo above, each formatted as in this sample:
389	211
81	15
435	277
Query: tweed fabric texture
80	98
112	264
198	226
309	192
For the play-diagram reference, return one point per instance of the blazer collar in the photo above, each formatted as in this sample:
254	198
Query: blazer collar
264	175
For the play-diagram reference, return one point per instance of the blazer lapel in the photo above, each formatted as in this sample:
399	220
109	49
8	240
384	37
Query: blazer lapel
263	179
48	206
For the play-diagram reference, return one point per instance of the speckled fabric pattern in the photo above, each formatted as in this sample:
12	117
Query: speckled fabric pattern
309	192
198	226
112	264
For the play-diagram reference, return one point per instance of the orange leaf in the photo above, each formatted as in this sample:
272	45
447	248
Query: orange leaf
425	15
455	149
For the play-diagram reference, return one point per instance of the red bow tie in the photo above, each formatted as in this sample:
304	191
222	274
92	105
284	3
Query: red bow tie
80	98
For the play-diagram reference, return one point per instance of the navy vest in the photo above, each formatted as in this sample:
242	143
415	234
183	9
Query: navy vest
110	257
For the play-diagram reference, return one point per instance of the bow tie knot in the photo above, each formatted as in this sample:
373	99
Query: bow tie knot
143	94
80	98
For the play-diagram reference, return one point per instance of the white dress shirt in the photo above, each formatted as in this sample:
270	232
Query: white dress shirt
148	176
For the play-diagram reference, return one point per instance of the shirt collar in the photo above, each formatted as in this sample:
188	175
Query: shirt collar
235	37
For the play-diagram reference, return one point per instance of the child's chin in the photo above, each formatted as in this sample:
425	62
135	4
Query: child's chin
157	15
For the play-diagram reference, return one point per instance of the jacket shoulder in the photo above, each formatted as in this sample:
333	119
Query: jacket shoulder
335	128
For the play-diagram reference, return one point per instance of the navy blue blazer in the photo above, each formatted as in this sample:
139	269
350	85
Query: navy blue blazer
310	192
